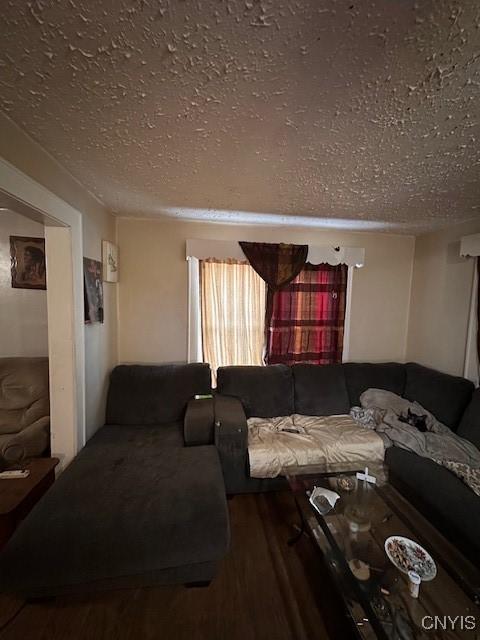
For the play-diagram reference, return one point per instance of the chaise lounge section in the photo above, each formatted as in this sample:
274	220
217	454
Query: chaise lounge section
136	507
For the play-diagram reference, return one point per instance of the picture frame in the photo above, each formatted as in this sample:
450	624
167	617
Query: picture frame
28	264
92	291
110	261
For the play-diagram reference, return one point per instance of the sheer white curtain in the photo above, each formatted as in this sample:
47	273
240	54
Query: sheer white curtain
233	313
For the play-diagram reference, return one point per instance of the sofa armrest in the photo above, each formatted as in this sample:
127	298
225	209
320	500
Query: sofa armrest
198	422
230	418
29	443
231	440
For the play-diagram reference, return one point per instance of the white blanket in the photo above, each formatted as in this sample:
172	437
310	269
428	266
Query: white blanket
321	439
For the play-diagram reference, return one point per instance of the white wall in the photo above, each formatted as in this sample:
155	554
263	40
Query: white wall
441	293
153	286
23	312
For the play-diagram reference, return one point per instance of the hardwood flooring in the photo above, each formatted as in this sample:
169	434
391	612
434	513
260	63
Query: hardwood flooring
265	590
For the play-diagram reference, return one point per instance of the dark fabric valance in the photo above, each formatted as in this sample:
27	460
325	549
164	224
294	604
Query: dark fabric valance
277	264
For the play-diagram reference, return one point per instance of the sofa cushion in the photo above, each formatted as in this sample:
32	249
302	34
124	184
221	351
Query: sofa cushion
320	390
443	395
117	512
265	392
451	506
143	394
362	376
469	426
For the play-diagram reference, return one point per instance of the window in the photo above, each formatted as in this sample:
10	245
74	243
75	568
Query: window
232	313
238	313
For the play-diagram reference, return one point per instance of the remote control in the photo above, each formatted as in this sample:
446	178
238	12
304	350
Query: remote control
18	473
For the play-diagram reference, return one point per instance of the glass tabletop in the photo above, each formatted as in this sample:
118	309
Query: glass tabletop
352	536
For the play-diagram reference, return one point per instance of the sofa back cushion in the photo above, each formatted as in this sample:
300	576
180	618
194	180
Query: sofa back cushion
320	390
443	395
145	394
265	392
362	376
24	393
469	426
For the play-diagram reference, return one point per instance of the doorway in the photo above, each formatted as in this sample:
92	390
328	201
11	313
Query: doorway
63	249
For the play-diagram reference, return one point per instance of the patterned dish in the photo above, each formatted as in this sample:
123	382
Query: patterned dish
407	556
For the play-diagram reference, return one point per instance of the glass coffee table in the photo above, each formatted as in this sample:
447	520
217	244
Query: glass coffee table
375	594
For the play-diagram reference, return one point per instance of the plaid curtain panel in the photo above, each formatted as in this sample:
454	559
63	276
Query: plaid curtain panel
305	318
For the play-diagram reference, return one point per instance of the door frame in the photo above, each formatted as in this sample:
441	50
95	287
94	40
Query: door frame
64	237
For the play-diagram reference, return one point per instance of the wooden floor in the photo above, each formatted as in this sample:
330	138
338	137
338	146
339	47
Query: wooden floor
265	590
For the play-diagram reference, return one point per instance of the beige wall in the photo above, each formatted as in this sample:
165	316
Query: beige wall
97	223
153	286
100	339
441	292
23	312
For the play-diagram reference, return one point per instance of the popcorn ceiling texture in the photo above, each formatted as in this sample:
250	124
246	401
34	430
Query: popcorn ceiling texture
357	109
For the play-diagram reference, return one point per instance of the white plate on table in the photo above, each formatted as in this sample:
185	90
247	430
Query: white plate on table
408	555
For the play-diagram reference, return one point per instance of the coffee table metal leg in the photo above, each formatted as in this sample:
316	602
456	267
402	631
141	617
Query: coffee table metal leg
301	529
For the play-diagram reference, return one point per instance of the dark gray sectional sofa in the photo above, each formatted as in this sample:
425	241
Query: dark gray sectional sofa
326	390
144	502
136	506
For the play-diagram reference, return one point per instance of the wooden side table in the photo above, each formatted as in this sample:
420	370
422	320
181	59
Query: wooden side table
18	496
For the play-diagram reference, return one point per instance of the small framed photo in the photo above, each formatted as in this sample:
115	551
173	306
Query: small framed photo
110	261
28	264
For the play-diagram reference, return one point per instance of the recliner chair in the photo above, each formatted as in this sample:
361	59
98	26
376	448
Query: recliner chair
24	408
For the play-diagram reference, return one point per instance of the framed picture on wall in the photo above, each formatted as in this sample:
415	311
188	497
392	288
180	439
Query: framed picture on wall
92	290
28	265
110	261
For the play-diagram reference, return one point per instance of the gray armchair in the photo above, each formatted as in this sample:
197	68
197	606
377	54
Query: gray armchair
24	408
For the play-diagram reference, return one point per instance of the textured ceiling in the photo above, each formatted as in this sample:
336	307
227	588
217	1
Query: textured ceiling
353	109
